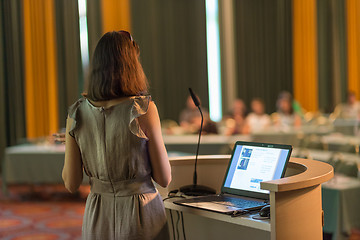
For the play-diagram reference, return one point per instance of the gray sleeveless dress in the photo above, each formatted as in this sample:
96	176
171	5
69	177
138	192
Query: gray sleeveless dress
123	202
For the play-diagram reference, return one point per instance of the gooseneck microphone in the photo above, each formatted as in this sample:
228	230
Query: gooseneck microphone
197	104
195	189
195	99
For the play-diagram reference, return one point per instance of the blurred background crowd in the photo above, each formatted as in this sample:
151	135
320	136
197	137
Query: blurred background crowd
252	117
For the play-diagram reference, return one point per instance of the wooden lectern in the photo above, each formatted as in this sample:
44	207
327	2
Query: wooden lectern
296	210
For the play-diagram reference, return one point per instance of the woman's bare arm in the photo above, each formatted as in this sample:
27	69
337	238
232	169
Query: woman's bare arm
150	124
72	172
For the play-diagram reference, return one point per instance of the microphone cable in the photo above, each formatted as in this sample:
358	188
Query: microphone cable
172	224
177	225
181	217
182	223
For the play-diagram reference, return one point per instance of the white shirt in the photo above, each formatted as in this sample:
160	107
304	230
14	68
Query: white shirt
347	111
258	123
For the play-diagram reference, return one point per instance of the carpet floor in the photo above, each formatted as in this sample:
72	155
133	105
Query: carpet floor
41	213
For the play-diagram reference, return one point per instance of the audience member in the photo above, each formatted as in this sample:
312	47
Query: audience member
257	120
285	116
235	120
190	119
350	109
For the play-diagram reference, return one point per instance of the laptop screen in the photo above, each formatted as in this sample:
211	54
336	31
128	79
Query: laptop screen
252	163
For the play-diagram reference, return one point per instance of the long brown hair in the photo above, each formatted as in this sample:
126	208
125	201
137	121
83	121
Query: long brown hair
115	69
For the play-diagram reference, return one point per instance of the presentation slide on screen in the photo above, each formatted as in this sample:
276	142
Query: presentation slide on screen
254	165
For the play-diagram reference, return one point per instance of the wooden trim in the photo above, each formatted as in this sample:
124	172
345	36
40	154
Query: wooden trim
314	173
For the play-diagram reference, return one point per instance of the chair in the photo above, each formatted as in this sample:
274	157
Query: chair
312	142
341	166
348	168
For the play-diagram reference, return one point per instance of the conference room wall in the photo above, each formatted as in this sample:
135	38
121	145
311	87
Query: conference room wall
172	36
264	51
264	32
166	30
273	67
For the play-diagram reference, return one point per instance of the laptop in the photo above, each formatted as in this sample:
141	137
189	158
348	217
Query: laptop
250	164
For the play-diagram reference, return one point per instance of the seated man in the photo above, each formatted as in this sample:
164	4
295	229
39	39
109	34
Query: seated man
190	119
257	120
235	119
286	116
350	109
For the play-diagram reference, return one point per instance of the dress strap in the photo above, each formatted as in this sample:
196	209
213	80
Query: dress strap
73	114
123	188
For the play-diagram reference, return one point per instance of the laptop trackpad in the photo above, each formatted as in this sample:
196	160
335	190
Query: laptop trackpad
211	206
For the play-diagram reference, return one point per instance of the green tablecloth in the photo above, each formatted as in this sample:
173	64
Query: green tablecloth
341	205
33	164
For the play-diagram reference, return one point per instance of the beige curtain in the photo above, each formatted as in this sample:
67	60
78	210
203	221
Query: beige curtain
40	68
353	42
305	54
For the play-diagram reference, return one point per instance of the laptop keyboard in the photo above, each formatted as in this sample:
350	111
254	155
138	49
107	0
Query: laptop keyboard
234	202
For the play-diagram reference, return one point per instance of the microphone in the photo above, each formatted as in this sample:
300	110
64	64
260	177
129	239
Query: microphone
195	189
195	99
